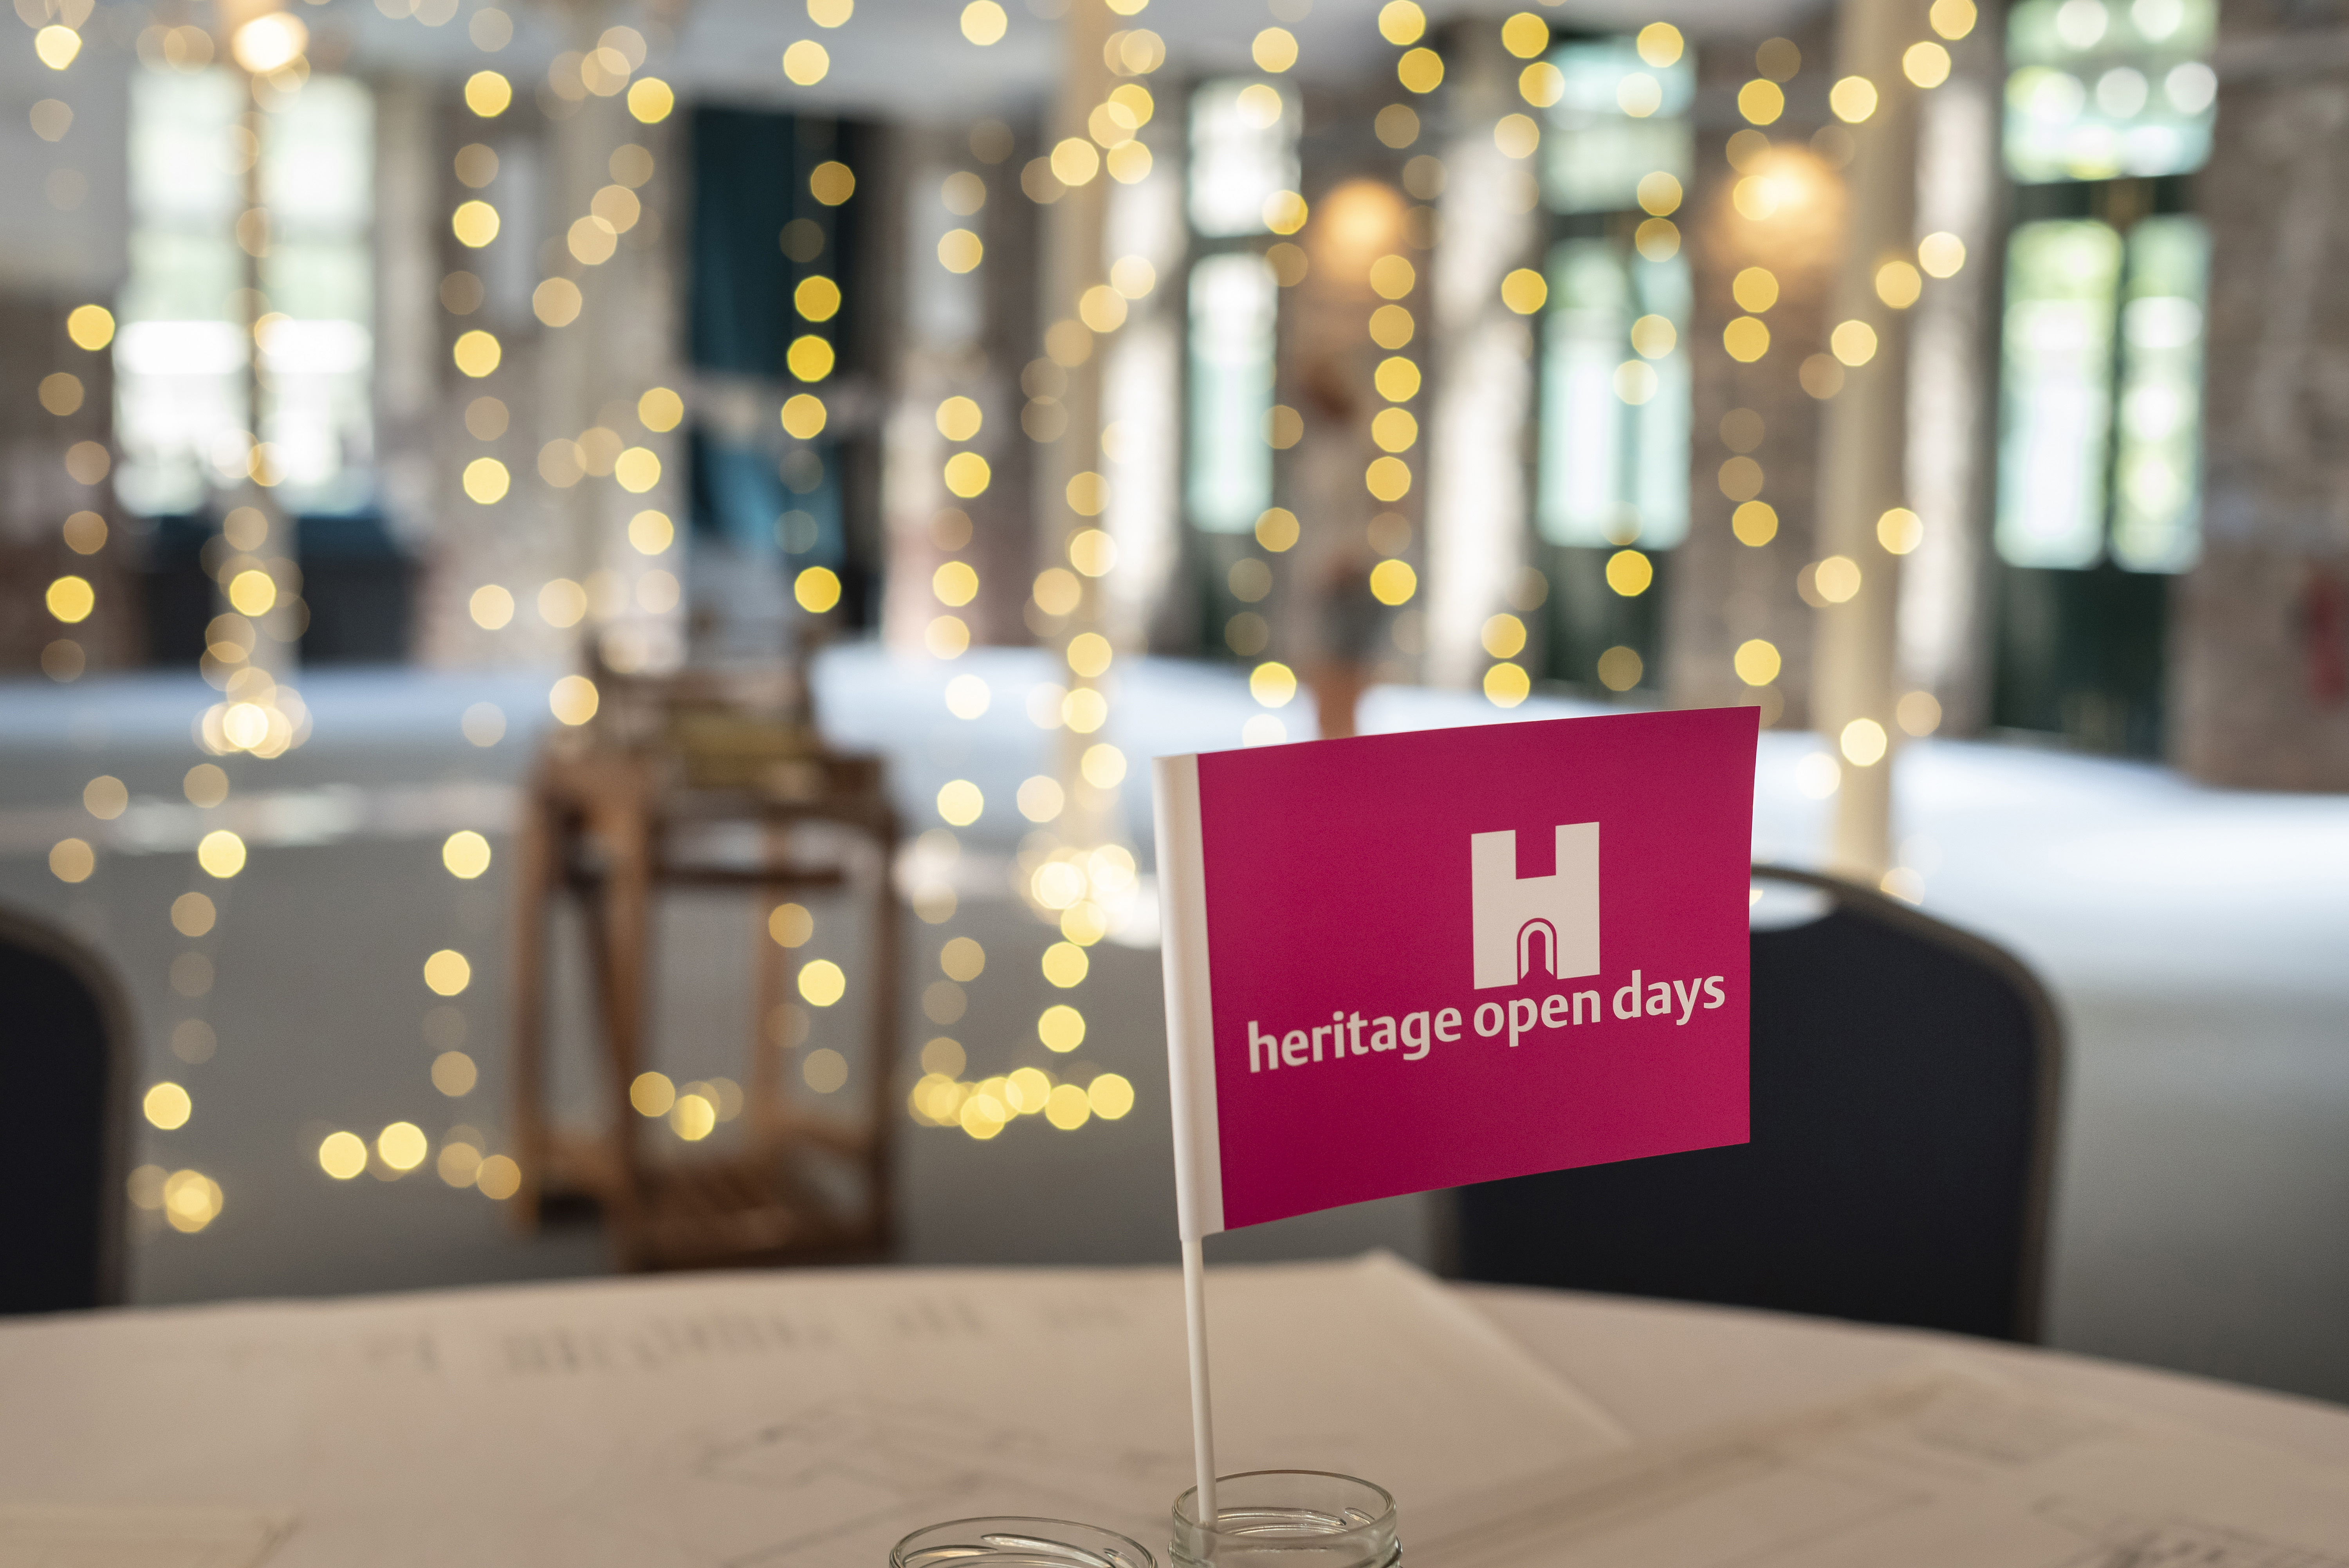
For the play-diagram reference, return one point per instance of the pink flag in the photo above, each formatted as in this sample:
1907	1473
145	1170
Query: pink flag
1409	961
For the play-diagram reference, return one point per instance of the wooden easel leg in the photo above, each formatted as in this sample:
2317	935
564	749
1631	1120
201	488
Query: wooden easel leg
622	950
536	852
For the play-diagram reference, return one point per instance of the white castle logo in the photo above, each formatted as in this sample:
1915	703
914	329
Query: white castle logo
1556	914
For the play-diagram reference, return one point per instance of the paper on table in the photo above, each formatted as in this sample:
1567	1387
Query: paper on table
67	1535
1949	1470
790	1420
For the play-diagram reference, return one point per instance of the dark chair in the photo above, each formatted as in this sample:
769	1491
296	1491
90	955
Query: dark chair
1905	1079
64	1032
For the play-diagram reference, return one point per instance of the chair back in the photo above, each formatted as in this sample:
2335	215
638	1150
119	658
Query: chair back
1905	1080
64	1122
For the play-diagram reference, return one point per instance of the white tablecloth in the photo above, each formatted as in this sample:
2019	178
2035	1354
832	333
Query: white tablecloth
788	1421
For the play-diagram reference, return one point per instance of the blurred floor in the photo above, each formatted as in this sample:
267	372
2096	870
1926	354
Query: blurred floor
2193	939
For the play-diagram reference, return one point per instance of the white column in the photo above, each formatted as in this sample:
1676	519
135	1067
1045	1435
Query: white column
1863	442
1482	375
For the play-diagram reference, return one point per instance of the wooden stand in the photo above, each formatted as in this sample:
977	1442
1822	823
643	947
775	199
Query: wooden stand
613	825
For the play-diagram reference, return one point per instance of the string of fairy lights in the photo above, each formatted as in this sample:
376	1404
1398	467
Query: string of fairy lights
1080	886
70	597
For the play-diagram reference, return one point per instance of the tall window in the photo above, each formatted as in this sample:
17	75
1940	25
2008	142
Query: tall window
2108	107
2101	379
184	355
1232	318
1614	464
1243	146
1613	448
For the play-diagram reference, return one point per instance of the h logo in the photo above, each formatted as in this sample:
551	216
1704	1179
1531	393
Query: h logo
1556	914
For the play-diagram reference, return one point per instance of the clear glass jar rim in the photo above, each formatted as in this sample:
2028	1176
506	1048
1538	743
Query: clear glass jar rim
1186	1506
1038	1527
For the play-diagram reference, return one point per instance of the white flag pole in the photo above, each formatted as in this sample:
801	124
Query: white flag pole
1203	1414
1191	1075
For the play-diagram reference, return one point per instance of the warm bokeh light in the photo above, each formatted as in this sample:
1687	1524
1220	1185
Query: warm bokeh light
693	1117
1838	579
1757	662
70	600
1762	101
651	100
1065	964
1090	654
402	1146
1402	22
477	353
1900	531
475	224
192	914
984	22
1040	798
447	972
817	589
221	853
1272	684
491	607
1942	254
1897	284
651	1094
1953	19
105	797
821	982
1506	685
343	1155
1629	573
1277	529
959	802
966	475
1854	343
791	925
968	696
55	46
650	533
803	416
167	1106
1393	582
1754	523
486	480
454	1075
1068	1108
1621	668
487	94
806	62
945	637
466	854
1062	1028
573	700
1103	766
1863	743
1112	1097
1927	64
1918	713
499	1178
1853	99
90	326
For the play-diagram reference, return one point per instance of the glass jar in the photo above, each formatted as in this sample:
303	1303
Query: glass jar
1288	1519
1011	1541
